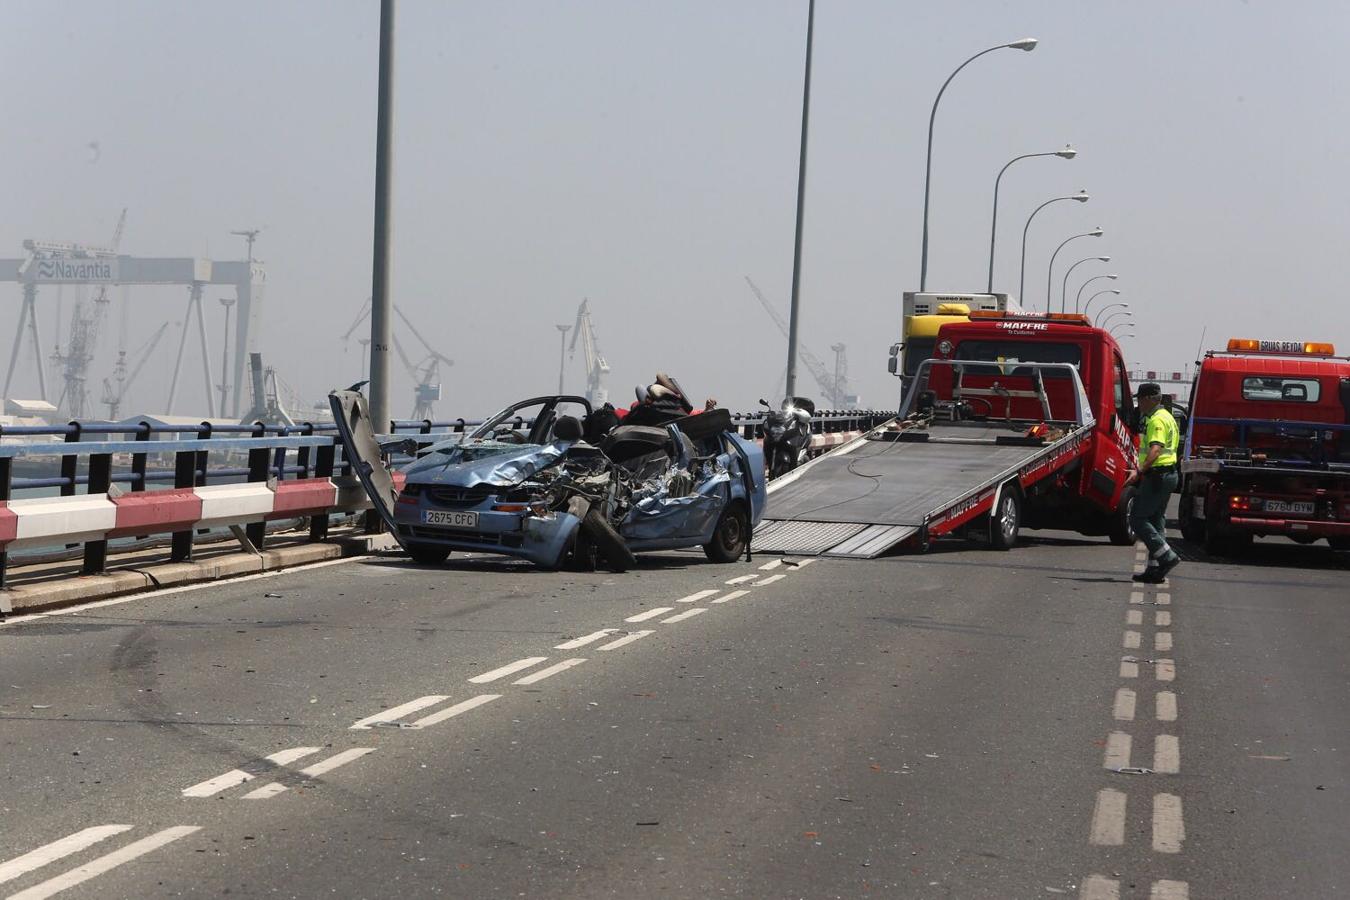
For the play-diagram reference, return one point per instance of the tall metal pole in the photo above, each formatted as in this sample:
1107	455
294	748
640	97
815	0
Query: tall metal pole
791	388
1081	197
1064	288
380	323
562	352
1066	153
1050	269
225	356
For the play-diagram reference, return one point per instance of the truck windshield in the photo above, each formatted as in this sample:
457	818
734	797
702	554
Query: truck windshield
916	351
1009	353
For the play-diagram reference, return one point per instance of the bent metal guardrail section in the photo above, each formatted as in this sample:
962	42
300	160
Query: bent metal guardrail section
209	477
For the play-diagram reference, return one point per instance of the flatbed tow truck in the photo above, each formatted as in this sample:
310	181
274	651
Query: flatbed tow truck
998	431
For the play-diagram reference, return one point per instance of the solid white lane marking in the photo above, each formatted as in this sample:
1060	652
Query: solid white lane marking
509	669
687	614
741	579
270	789
1099	887
626	639
96	867
236	777
1169	831
1166	670
1165	706
1169	890
450	712
593	636
770	566
47	853
768	581
1163	599
340	759
731	596
1134	617
397	713
694	598
1129	669
1108	819
1162	640
1162	618
1131	640
550	671
1136	596
1166	754
1117	754
1123	710
650	614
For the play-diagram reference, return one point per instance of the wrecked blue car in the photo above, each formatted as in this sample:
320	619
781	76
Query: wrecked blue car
554	482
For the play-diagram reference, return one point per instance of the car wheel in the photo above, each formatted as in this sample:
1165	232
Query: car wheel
608	542
427	554
730	535
1122	535
1005	520
1339	543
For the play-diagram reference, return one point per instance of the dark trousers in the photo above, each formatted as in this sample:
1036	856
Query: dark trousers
1148	518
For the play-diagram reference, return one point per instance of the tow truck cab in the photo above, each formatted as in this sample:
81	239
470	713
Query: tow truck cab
1268	446
1091	495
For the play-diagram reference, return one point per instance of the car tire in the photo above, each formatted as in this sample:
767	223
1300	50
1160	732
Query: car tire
608	542
1005	520
1120	532
427	554
1339	543
730	535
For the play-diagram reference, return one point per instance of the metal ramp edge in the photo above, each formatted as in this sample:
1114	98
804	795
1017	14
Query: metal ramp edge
872	541
849	540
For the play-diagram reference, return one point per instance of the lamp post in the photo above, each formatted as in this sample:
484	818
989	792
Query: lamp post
1121	312
1079	295
1067	153
1050	269
1081	197
1088	308
1102	312
562	352
1121	325
226	302
1027	44
1064	288
794	303
381	325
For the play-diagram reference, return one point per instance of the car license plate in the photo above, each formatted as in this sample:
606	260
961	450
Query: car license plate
1293	507
450	519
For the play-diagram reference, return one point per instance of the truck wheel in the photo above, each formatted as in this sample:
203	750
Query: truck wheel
427	554
729	537
1192	529
1339	543
1122	535
607	541
1005	519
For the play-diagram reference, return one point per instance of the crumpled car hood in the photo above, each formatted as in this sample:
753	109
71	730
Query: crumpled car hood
490	463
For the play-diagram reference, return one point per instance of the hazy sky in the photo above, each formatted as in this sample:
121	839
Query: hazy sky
644	154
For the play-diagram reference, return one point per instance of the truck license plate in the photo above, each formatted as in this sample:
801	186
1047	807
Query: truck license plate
450	519
1292	507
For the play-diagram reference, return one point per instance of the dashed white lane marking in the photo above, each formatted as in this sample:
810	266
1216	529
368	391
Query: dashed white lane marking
731	596
767	581
1169	890
770	566
800	564
271	789
590	638
1166	754
236	777
1165	670
1162	618
1108	819
1139	568
321	767
701	595
1129	669
1099	887
398	712
1136	596
650	614
549	671
1134	617
1163	598
1131	640
509	669
1123	709
626	639
687	614
1117	755
1169	831
105	863
450	712
1162	640
741	579
1165	706
48	853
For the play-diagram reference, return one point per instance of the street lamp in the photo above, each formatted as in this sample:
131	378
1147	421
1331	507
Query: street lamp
1088	308
562	352
1081	197
1102	312
1067	153
1027	44
1064	288
1121	325
1050	270
1079	295
1121	312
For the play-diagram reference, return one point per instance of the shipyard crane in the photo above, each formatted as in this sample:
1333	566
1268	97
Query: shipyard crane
112	396
85	325
831	389
425	373
596	366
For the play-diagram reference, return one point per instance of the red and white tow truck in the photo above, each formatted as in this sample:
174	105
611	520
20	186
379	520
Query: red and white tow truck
1268	446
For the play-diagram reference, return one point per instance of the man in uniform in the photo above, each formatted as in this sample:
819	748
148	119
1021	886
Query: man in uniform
1156	479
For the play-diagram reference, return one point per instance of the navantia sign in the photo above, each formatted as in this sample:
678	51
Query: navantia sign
101	270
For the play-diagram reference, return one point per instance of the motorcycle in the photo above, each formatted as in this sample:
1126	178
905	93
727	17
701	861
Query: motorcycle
787	434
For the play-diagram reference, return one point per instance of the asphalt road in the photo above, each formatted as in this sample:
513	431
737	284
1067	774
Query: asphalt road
936	726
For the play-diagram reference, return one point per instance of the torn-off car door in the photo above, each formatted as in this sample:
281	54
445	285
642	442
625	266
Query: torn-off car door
362	450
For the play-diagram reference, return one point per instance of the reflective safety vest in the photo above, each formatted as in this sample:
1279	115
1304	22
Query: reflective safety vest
1160	428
